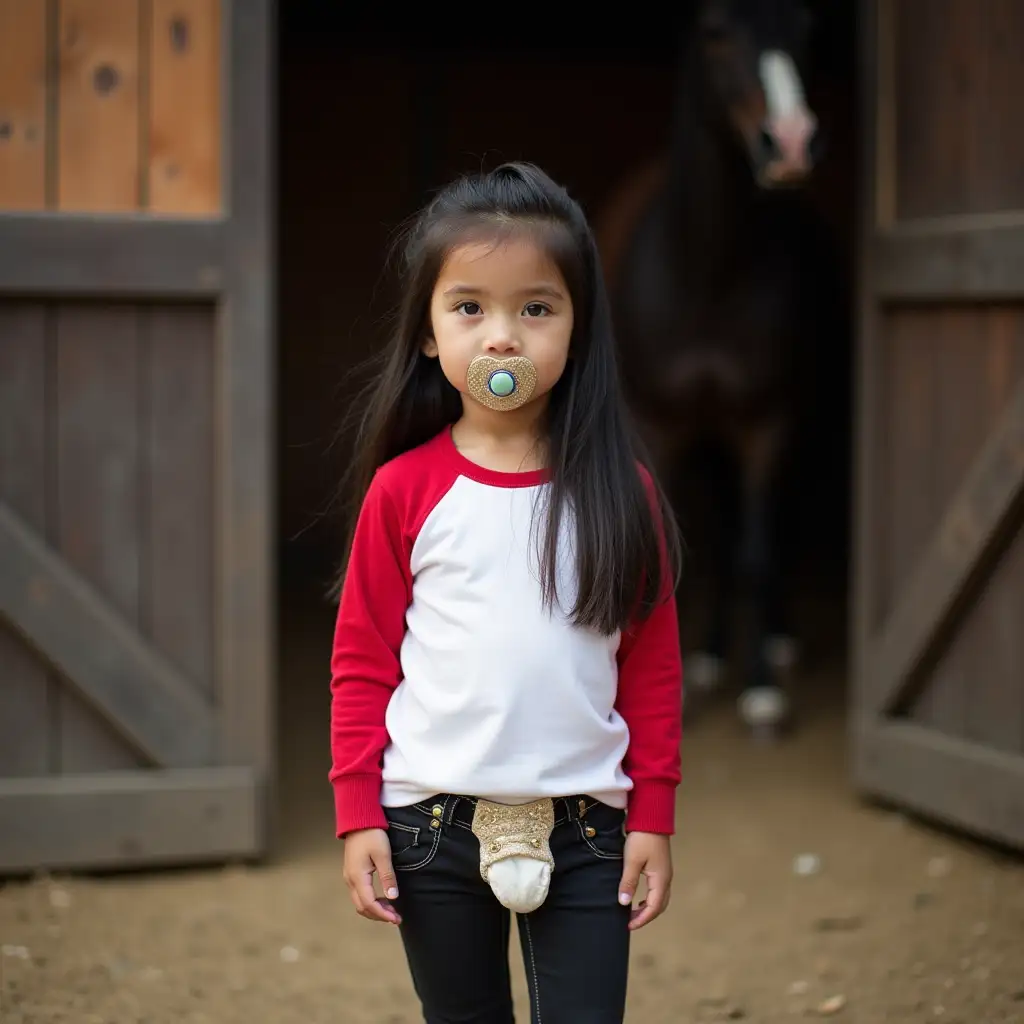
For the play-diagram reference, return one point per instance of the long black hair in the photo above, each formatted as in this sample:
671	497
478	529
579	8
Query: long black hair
592	449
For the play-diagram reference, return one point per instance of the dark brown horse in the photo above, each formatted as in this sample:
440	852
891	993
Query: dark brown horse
715	269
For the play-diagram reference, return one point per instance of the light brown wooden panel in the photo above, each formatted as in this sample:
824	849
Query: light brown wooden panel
23	86
98	492
178	383
25	741
184	113
958	79
98	158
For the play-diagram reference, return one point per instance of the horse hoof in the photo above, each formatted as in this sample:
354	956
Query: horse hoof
764	710
703	671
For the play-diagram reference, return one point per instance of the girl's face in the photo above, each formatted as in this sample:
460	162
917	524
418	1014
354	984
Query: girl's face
505	299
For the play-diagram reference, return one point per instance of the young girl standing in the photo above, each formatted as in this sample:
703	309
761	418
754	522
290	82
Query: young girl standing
506	678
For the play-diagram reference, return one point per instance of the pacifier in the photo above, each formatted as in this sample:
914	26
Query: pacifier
501	383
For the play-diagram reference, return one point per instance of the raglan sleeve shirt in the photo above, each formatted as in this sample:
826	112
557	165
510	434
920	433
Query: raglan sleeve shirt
366	669
365	664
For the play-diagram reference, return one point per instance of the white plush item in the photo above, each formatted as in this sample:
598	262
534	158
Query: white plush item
519	883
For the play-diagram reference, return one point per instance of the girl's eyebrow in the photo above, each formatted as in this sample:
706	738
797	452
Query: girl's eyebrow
538	289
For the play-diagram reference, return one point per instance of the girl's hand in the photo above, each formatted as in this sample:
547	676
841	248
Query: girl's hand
367	851
649	855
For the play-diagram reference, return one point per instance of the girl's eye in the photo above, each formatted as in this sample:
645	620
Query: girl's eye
536	309
469	308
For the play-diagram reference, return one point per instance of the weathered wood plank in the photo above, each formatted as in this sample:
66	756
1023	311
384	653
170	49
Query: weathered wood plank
23	104
946	264
992	633
185	107
906	400
179	369
83	637
23	409
931	106
951	780
970	527
992	639
958	340
114	256
25	741
98	150
127	819
245	627
959	76
98	475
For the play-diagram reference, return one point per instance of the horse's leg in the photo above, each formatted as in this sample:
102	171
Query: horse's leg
763	704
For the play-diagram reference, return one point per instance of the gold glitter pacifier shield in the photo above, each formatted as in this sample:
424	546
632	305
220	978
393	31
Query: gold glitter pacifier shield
501	384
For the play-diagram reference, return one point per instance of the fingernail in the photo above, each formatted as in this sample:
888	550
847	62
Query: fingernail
624	898
392	894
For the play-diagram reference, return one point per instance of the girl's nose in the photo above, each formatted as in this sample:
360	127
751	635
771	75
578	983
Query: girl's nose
502	345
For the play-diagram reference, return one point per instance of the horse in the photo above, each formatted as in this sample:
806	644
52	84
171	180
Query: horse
715	261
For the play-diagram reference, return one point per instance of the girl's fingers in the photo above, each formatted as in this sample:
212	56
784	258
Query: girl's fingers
367	903
655	902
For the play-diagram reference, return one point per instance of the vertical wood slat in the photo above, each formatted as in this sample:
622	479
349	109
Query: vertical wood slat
962	423
907	506
98	129
245	425
98	488
184	113
179	505
23	84
992	638
24	714
959	78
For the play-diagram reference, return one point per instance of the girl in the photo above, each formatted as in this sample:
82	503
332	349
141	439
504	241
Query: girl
506	678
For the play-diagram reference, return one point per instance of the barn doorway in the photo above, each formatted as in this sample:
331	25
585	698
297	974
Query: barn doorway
371	115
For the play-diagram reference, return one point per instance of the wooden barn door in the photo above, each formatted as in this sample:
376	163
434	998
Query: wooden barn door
938	708
135	431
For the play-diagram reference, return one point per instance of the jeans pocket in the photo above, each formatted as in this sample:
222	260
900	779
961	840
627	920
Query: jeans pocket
602	829
413	837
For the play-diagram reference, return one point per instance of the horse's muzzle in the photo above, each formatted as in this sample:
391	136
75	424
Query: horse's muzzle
787	150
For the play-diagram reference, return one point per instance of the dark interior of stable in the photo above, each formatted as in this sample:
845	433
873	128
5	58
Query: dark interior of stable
373	112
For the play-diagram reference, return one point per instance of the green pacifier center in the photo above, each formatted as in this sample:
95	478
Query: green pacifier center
501	383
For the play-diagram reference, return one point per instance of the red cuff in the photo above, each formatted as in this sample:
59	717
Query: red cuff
357	804
652	808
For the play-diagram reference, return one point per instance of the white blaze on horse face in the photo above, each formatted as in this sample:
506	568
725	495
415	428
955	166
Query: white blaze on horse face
790	122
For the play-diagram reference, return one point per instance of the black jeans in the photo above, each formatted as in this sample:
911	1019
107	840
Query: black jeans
456	934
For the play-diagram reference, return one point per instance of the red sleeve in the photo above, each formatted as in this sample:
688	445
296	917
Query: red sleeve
650	702
365	667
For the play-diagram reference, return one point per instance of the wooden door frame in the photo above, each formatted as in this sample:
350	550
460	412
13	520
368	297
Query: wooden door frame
217	792
940	259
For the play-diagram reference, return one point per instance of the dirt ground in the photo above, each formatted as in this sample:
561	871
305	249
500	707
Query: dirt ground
792	899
